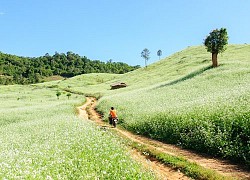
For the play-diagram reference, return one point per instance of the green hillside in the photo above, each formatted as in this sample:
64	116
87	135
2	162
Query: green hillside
179	100
182	100
26	70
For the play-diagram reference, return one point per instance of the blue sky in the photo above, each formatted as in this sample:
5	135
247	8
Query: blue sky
117	29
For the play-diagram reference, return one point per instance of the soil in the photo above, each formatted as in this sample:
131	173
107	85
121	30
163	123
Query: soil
224	167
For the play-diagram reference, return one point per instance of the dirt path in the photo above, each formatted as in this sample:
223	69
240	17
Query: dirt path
223	167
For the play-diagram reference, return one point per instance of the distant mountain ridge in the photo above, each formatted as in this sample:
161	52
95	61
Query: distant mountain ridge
25	70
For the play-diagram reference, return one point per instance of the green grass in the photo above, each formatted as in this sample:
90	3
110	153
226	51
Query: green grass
182	100
179	100
95	83
188	168
42	138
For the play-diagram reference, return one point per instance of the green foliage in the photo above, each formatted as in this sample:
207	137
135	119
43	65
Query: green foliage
68	95
159	53
58	93
25	70
216	41
214	131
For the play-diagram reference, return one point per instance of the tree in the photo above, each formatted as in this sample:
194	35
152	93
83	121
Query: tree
23	70
159	53
216	43
58	93
145	54
69	94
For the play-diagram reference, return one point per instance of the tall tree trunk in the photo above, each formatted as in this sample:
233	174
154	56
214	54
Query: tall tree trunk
214	59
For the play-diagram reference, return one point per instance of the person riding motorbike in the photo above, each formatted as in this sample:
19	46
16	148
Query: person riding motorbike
113	116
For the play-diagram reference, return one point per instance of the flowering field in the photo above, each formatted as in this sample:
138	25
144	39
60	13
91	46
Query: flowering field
182	100
42	138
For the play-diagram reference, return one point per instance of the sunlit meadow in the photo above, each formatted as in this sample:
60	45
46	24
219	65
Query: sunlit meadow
182	100
42	138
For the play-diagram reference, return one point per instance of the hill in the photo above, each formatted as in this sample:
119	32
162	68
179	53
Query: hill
26	70
182	100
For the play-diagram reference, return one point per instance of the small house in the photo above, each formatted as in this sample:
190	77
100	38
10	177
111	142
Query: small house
118	85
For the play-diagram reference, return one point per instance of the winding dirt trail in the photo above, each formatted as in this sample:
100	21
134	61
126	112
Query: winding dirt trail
87	111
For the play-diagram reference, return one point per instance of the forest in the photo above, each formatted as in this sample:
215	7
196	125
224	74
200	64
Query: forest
26	70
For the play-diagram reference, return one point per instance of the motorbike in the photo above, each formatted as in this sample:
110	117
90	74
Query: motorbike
113	121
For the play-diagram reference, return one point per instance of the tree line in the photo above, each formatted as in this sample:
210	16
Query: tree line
25	70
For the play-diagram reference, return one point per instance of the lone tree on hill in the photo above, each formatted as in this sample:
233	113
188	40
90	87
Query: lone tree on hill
145	54
58	93
216	43
69	94
159	53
